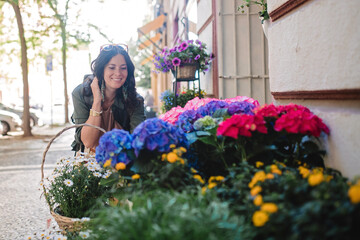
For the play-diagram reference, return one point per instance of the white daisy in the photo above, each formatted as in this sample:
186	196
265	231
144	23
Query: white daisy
68	182
84	235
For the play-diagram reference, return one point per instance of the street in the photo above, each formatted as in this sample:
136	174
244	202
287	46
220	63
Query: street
22	211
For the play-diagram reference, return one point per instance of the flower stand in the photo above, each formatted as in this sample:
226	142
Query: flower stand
186	72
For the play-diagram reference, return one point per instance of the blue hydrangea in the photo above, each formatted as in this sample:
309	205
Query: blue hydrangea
187	119
114	145
157	135
241	107
209	108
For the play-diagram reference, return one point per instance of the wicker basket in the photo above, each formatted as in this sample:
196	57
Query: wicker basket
65	223
186	71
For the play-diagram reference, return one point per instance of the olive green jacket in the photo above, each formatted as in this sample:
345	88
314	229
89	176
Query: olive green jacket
83	104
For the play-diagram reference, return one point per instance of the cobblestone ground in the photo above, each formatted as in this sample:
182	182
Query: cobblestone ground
22	211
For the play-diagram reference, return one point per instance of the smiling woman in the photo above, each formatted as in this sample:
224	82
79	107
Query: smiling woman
107	98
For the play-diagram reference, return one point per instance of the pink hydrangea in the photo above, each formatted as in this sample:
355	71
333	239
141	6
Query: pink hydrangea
242	98
197	102
172	115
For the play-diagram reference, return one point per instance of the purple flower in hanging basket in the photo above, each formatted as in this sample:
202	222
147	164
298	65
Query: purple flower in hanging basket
197	57
176	62
156	135
115	145
184	46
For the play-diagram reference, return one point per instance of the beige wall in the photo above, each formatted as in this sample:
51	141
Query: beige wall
316	47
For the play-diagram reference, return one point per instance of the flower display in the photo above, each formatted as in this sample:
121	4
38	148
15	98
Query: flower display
262	164
189	51
115	145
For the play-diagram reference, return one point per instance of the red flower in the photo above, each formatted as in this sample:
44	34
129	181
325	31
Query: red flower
293	107
242	125
267	110
301	121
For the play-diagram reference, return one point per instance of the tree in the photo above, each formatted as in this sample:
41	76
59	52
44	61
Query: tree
24	67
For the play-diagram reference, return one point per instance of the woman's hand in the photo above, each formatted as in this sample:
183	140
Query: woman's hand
96	90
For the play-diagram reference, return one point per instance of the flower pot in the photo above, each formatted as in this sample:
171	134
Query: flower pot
185	71
265	26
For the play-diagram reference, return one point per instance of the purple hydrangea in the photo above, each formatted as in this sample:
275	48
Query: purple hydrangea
241	107
187	119
155	134
114	145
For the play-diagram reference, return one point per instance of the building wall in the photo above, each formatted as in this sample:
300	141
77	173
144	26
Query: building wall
242	52
314	58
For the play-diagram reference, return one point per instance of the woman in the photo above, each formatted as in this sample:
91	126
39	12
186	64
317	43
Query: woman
107	98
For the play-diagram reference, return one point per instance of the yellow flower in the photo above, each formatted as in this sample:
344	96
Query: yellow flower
258	176
315	178
269	176
107	163
252	183
219	178
259	164
203	190
255	190
135	176
172	157
172	145
198	177
304	171
328	178
258	200
181	161
212	185
269	207
215	179
120	166
182	149
274	169
354	194
193	170
259	218
163	156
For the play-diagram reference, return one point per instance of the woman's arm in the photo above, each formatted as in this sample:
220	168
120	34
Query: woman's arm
90	136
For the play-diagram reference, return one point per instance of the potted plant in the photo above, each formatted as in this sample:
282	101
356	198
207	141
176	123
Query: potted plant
73	189
188	52
263	13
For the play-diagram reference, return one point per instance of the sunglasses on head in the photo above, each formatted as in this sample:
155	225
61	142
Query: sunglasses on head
108	47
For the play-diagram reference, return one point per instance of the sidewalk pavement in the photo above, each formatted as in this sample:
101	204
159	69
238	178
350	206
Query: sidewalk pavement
22	211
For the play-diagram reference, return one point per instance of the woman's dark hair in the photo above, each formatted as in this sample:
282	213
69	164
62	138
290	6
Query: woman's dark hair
98	66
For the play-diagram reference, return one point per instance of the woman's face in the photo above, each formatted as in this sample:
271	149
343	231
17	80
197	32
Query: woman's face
115	72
